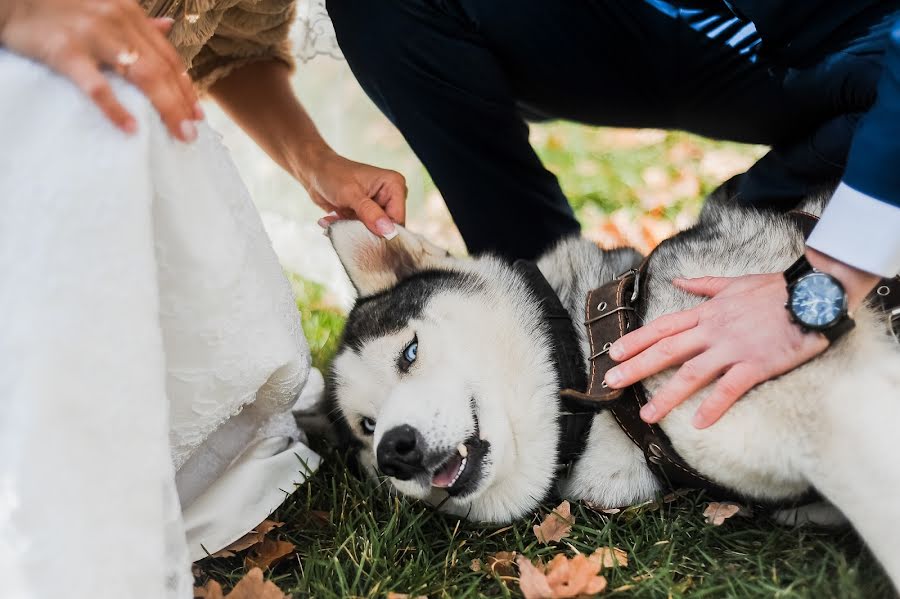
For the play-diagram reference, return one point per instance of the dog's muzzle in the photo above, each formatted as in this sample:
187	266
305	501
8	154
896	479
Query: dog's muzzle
399	453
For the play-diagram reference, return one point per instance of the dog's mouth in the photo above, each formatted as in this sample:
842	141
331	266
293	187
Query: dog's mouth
461	469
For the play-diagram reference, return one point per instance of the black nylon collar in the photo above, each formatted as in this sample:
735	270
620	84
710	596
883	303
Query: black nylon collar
567	360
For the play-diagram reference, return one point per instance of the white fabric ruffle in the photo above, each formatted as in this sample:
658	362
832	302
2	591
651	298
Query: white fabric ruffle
150	349
313	33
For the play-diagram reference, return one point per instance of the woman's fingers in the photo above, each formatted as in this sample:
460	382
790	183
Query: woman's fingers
666	353
392	196
155	78
81	38
84	73
375	219
156	34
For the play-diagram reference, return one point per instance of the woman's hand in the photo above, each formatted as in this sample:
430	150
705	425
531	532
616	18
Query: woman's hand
78	38
741	337
348	189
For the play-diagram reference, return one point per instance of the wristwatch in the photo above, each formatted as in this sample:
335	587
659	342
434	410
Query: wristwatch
816	300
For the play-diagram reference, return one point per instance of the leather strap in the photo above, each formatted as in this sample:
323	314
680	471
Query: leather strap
611	313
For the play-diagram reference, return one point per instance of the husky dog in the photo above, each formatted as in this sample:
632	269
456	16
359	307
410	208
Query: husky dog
445	379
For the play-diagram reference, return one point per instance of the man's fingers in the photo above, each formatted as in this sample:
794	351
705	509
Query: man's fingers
375	219
94	84
705	286
665	326
730	388
665	353
690	378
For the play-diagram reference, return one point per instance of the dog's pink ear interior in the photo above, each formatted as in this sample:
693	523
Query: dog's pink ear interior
374	263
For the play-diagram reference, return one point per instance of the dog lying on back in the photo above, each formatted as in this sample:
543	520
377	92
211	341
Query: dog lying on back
445	379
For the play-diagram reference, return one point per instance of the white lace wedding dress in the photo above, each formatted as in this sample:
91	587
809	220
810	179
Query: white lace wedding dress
150	350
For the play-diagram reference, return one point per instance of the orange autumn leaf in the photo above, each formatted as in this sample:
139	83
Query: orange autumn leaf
557	525
268	553
251	586
250	539
608	557
716	513
532	581
561	578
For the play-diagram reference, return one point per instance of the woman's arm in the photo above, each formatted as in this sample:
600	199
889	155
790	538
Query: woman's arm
259	97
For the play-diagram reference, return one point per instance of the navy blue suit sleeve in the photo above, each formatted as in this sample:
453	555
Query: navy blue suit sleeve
873	166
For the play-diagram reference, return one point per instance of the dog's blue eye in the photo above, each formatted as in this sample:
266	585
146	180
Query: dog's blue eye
408	356
410	352
368	425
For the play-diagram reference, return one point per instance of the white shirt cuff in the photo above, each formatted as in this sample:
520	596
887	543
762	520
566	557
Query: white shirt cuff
860	231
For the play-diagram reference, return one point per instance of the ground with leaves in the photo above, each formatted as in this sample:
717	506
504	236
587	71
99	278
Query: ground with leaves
347	537
354	540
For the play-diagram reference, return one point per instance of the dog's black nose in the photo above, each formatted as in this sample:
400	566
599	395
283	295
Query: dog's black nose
400	452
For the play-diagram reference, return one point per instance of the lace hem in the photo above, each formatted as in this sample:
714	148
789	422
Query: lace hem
313	33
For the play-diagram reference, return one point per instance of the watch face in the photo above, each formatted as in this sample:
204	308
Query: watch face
818	300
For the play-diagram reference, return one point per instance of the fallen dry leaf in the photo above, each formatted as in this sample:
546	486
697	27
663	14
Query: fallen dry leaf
561	578
404	596
251	586
716	513
557	525
250	539
268	553
475	566
533	582
501	563
608	557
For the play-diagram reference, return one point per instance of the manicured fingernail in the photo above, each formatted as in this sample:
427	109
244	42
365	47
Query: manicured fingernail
648	412
613	377
323	222
386	228
616	352
188	131
130	126
332	213
198	112
699	421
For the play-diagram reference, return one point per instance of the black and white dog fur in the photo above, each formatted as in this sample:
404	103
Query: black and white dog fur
472	416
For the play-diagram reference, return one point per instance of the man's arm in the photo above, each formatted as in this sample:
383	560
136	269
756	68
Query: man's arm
743	335
259	97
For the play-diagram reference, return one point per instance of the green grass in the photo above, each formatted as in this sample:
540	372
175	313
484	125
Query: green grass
370	543
354	539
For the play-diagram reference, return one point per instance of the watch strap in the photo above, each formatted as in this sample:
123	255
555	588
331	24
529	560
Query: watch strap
796	270
840	328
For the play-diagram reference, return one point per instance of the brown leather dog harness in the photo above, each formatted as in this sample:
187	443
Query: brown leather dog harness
611	313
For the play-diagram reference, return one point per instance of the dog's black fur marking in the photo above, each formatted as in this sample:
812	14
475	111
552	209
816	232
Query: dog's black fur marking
389	311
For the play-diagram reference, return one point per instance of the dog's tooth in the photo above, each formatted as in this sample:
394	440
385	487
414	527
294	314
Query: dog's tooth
463	450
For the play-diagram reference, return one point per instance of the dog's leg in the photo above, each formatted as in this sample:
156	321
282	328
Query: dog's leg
820	513
852	455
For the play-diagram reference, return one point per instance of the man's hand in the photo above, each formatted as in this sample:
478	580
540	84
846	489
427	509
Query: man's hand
742	336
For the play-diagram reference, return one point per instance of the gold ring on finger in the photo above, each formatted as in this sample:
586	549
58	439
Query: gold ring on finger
126	58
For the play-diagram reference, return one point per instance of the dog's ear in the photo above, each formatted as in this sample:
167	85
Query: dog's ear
374	263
